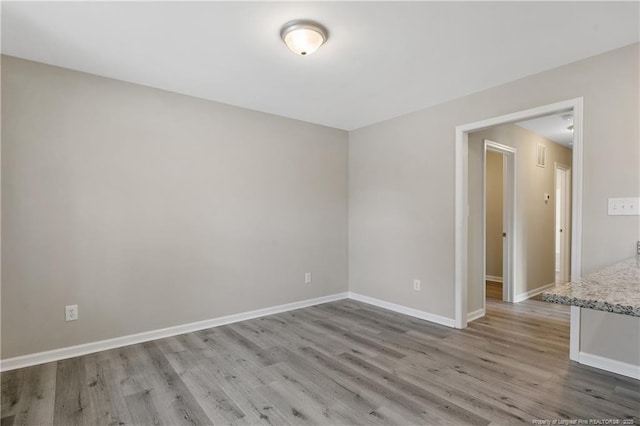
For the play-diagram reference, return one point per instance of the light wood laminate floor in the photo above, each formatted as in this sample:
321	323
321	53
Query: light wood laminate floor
494	290
338	363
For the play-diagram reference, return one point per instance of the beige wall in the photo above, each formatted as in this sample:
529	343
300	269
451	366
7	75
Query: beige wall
151	209
494	212
401	179
535	219
610	335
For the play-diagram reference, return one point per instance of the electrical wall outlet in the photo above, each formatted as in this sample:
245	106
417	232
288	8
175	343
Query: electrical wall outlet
307	277
638	249
416	285
71	313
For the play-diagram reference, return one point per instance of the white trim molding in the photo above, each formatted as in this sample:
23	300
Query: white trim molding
529	294
576	188
102	345
574	333
607	364
493	278
449	322
479	313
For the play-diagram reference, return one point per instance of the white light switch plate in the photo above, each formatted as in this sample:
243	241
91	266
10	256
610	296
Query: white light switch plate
624	206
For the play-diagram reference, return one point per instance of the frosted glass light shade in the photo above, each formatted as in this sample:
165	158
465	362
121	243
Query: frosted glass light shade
303	37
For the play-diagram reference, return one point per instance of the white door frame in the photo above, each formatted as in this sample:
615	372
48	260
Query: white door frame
462	204
565	219
508	217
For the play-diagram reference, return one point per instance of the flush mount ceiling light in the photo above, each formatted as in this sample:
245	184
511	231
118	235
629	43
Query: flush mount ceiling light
303	37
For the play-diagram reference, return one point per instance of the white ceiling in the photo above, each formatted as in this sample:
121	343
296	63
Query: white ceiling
382	59
552	127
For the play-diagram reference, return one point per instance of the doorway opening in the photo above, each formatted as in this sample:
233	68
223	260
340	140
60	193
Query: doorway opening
520	262
498	237
464	266
494	234
562	223
499	197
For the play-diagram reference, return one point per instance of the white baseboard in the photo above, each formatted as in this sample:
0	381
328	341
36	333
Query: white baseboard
449	322
607	364
476	314
529	294
87	348
493	278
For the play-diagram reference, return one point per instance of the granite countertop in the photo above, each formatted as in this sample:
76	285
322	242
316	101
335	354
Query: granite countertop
615	288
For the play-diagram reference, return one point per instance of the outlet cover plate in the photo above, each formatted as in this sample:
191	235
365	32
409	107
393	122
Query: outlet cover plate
71	313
